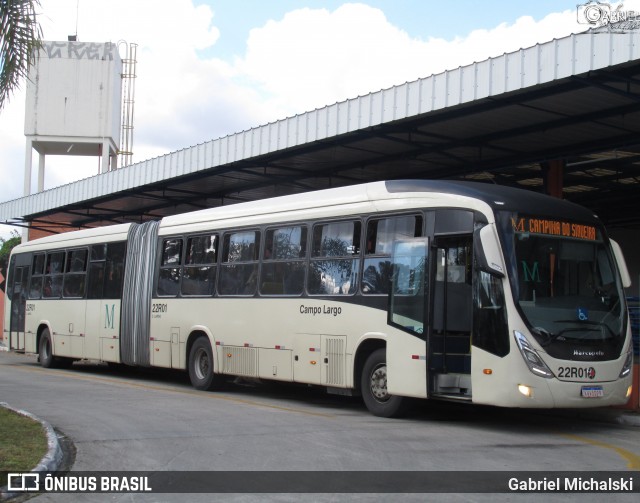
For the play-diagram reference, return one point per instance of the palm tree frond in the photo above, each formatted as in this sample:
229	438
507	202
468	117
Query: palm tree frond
20	38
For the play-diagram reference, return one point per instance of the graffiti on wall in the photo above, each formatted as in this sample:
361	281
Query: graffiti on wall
79	50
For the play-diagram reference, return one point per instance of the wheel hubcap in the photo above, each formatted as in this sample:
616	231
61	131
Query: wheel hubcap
202	364
378	384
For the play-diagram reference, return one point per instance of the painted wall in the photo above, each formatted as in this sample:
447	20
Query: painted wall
74	90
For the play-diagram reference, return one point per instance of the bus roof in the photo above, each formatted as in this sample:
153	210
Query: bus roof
498	197
77	238
361	196
352	198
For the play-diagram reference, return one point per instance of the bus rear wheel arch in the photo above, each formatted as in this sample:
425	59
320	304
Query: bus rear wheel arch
45	352
373	386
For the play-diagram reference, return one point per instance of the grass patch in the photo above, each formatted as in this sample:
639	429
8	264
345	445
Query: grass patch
23	443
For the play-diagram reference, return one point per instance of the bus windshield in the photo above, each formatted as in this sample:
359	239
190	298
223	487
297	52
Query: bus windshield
566	285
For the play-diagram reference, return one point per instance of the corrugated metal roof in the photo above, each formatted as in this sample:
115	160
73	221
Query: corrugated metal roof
307	139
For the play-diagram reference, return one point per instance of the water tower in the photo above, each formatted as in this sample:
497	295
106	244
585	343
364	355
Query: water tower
73	104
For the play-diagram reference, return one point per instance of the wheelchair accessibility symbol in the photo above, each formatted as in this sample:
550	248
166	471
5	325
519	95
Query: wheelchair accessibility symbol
583	314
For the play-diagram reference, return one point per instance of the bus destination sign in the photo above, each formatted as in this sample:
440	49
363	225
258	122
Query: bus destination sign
533	225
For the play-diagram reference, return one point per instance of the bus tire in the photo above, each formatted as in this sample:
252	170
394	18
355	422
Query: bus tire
373	386
201	365
45	350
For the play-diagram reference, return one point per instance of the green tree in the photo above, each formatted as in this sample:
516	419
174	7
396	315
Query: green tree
6	245
20	37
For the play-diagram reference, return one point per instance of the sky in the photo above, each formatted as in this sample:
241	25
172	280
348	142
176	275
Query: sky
211	68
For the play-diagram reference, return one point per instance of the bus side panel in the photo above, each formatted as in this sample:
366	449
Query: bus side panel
494	381
66	322
102	341
75	325
33	320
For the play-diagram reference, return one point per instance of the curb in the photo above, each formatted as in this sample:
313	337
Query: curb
50	462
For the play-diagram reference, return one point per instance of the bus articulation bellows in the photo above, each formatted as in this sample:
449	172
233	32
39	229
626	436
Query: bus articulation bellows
393	290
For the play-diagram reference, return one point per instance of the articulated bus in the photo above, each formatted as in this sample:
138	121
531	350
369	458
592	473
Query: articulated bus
390	290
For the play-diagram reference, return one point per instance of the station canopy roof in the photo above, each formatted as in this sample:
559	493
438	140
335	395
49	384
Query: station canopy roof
574	100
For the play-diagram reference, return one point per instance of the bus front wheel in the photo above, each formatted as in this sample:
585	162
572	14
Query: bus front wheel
201	365
374	388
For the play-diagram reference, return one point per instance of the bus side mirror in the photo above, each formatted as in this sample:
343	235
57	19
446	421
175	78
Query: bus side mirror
487	250
622	264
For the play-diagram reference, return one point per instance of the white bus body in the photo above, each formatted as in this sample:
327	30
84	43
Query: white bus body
447	290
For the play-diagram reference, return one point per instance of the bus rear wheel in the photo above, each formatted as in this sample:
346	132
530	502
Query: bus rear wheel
201	365
373	386
45	350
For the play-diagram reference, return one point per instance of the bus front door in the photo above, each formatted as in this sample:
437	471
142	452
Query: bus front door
450	337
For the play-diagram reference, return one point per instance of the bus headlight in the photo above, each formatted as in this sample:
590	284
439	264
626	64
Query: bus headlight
531	357
626	368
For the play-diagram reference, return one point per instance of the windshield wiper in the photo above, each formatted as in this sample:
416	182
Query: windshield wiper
550	336
546	333
589	322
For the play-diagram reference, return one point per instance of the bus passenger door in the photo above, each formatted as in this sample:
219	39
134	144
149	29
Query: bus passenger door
452	303
18	296
406	351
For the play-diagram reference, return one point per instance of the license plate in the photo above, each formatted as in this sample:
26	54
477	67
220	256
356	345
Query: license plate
592	392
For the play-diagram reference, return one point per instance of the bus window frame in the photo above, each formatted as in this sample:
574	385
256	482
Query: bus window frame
353	257
374	256
162	266
300	262
49	277
226	265
68	275
212	267
37	275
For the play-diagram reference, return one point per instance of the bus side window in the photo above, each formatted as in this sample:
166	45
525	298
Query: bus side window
335	258
170	271
490	328
284	261
114	270
238	275
37	270
381	234
75	274
199	274
53	275
95	282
